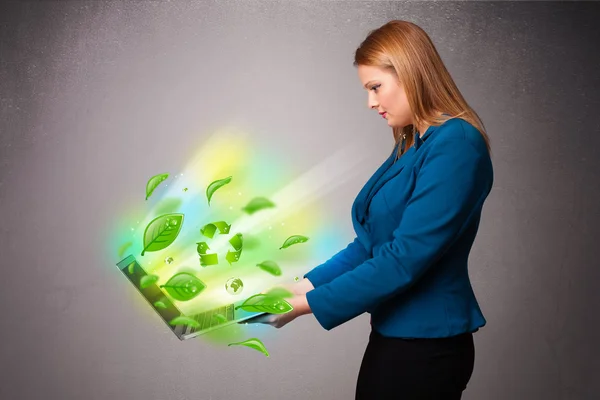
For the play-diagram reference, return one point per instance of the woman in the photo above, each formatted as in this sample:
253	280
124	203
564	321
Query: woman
415	221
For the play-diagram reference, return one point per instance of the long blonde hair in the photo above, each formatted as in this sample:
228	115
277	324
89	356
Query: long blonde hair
405	50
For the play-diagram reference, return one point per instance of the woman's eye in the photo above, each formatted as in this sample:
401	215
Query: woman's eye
374	88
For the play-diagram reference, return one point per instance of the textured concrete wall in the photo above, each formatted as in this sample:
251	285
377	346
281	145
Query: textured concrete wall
92	93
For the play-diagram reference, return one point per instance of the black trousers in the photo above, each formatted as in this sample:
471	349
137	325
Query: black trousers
411	369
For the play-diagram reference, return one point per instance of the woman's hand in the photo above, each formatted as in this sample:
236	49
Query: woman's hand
297	288
298	302
300	307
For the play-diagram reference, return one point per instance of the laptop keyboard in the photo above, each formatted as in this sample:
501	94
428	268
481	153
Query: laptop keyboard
207	319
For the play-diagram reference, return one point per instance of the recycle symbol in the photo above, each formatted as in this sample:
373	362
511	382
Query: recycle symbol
209	230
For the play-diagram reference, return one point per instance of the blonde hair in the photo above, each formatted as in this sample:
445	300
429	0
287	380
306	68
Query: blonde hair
405	50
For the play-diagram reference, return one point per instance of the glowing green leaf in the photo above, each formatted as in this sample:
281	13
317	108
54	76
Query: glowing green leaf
256	204
220	318
159	304
216	185
253	343
183	320
154	182
184	286
123	248
131	267
270	266
266	303
162	231
293	240
147	280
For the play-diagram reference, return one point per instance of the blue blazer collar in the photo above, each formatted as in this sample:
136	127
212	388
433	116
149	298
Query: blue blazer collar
388	170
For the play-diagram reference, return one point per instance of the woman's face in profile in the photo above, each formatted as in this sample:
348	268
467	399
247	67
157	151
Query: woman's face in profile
385	95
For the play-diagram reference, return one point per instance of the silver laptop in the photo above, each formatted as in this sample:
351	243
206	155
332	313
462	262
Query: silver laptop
206	320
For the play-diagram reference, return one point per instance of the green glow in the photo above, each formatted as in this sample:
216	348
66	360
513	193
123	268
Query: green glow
249	212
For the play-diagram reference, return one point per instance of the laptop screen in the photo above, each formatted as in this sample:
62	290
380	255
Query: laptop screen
157	299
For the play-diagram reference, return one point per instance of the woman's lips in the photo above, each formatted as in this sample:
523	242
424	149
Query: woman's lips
384	114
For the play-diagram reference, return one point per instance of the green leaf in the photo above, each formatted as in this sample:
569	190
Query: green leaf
160	304
220	318
184	286
183	320
293	240
162	231
154	182
256	204
131	267
270	267
280	292
123	248
216	185
253	343
266	303
147	280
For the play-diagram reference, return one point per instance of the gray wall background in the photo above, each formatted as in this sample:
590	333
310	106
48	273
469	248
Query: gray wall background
87	87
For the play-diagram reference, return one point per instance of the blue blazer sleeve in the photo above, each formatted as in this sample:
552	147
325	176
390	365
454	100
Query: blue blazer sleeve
345	260
453	181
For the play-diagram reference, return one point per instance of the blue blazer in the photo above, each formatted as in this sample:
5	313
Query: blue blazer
415	222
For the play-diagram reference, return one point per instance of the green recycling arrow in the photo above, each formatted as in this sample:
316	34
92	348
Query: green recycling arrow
209	230
236	242
206	259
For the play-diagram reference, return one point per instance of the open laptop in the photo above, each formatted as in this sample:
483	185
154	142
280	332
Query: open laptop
206	320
